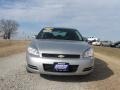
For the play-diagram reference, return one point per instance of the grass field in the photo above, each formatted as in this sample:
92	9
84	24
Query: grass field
112	52
9	47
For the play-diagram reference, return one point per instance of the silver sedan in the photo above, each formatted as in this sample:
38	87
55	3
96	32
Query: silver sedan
59	51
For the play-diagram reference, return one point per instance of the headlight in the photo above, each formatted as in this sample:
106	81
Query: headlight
88	53
33	51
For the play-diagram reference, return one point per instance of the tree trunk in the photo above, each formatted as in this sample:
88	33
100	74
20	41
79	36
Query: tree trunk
9	35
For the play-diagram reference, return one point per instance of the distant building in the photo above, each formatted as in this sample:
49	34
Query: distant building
93	39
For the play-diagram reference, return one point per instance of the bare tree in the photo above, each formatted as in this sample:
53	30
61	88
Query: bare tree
9	27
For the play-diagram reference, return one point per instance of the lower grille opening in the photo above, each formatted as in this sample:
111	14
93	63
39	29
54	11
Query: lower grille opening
88	69
50	68
33	67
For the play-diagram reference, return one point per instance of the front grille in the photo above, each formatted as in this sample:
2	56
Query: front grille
50	68
60	55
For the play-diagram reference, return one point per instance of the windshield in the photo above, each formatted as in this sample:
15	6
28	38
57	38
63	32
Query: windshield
60	34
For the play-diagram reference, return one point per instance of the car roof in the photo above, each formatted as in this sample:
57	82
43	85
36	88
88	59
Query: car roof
117	42
62	28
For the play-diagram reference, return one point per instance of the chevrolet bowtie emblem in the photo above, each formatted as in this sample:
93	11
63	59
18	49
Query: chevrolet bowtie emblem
61	56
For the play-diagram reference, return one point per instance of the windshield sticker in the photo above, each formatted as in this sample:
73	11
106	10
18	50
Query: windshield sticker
48	30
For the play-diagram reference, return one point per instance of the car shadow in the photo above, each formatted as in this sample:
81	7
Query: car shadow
101	72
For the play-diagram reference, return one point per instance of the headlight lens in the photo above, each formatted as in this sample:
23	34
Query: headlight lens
88	53
33	51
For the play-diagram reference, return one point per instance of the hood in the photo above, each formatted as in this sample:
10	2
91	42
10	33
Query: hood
61	46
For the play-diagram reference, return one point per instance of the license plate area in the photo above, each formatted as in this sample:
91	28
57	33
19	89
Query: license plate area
61	67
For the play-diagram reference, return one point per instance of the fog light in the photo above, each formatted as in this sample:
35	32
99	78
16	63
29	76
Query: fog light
87	69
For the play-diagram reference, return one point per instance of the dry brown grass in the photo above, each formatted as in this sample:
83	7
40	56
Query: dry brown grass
112	52
9	47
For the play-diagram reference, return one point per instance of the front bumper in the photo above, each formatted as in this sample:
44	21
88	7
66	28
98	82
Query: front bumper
36	64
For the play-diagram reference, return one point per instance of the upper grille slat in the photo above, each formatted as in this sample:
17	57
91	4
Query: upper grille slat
60	55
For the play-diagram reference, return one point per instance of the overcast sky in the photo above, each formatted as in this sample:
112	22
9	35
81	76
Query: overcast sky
100	18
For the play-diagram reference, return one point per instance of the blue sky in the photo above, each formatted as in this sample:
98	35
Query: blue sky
91	17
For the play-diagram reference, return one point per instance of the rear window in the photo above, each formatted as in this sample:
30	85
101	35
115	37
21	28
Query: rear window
60	34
